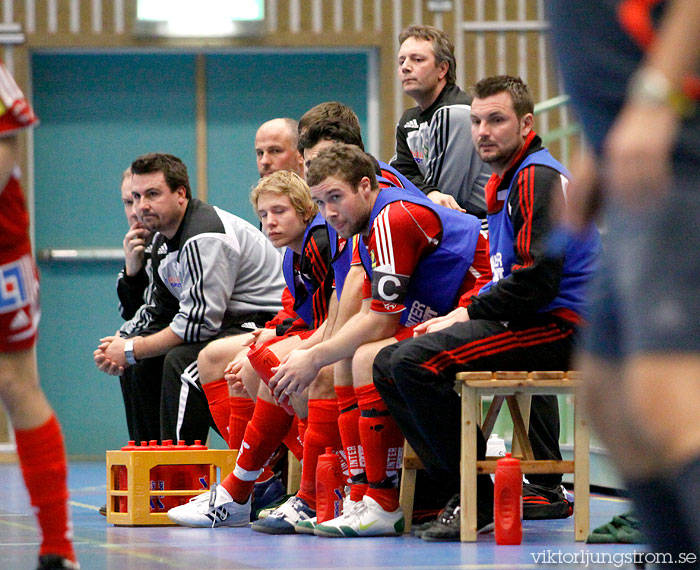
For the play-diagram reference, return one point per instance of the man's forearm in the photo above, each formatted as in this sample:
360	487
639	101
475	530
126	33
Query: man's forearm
156	344
362	328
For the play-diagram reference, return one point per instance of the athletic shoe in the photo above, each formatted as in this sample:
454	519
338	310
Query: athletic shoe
366	518
419	529
308	526
284	518
264	513
103	510
545	503
213	509
305	526
270	493
54	562
446	527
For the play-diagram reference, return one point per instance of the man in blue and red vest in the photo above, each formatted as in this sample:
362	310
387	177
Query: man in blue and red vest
525	318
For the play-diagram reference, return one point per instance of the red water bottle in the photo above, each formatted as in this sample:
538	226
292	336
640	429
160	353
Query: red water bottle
330	486
122	485
199	473
262	359
508	501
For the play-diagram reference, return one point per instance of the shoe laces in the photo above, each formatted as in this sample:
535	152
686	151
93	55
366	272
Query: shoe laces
450	512
357	510
348	504
292	509
219	514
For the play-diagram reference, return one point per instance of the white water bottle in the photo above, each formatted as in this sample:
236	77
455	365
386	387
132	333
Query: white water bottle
495	447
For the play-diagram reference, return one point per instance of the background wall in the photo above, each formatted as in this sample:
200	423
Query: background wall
105	95
98	112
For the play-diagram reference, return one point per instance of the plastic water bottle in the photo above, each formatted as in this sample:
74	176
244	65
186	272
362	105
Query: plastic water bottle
495	447
330	486
508	501
262	359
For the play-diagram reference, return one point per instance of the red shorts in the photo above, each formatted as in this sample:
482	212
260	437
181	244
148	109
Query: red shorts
301	333
404	332
19	304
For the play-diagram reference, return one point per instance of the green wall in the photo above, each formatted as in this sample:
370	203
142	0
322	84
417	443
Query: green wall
99	111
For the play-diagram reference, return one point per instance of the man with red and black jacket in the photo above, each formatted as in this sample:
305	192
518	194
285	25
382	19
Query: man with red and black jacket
526	318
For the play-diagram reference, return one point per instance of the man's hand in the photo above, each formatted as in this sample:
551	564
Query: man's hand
115	351
637	154
103	362
233	369
134	248
445	200
294	374
459	315
261	336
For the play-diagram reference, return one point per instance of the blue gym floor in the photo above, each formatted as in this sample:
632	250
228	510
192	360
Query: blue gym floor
103	546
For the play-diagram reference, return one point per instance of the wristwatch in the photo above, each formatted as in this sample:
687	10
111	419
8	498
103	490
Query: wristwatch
652	86
129	351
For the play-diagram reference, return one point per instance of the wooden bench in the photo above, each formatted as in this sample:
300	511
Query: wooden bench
515	389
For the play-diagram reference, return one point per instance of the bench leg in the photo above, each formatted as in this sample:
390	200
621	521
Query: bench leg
470	414
581	474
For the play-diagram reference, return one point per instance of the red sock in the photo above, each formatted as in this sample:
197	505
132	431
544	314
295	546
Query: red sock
217	397
262	437
322	432
241	413
292	441
42	457
348	424
382	444
302	424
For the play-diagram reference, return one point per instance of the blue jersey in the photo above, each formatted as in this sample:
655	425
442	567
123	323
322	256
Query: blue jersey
390	178
580	253
433	288
301	285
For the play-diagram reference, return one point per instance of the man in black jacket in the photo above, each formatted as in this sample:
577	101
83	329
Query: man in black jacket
434	149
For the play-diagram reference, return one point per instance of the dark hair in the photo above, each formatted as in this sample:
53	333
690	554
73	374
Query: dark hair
344	161
332	130
443	49
519	92
173	169
326	111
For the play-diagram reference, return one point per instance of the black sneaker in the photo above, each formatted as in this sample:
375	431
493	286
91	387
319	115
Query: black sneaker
545	503
54	562
103	510
446	527
267	494
419	529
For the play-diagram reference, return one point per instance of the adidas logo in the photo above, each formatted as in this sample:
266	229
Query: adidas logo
249	325
218	515
412	124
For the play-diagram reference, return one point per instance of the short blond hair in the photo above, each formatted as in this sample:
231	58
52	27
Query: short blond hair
290	184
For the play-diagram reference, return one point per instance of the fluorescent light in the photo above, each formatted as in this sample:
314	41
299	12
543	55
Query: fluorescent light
207	18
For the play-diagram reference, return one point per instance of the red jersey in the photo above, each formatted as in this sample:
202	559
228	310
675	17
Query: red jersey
402	234
14	222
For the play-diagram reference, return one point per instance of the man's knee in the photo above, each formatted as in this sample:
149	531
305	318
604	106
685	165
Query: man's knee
214	357
381	369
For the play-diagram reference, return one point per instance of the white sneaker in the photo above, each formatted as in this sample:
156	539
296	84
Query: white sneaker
285	517
366	518
213	509
305	526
